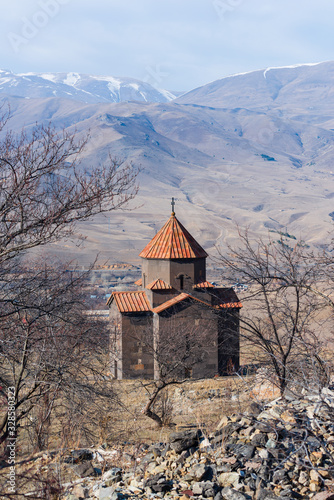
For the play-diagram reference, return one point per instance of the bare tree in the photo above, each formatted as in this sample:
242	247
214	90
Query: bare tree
177	350
282	321
52	355
49	350
44	190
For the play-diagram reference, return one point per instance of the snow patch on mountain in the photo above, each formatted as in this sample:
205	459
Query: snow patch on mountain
71	79
5	80
48	76
169	96
81	87
287	91
292	66
265	71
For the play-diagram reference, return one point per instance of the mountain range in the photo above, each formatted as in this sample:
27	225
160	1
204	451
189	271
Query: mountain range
79	87
254	150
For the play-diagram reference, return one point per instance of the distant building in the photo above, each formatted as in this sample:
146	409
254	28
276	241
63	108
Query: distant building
173	293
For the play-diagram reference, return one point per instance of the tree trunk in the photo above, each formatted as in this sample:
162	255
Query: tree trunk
148	408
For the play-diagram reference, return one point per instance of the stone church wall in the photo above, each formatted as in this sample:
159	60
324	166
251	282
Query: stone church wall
171	271
216	335
200	325
194	268
137	346
153	269
228	342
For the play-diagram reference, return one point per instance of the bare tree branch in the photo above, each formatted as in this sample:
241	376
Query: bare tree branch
44	190
281	317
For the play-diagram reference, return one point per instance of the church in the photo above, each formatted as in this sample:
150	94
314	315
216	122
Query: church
176	318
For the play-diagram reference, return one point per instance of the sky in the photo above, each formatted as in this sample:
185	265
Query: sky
172	44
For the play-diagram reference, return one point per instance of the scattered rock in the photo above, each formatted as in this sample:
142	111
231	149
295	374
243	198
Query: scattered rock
199	471
230	494
229	479
80	492
84	469
180	441
324	495
105	493
258	456
81	455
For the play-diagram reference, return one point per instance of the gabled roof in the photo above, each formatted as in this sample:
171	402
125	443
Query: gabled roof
159	285
171	302
180	298
130	301
204	284
173	242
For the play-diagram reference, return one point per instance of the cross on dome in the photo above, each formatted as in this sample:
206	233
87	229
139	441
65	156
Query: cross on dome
173	206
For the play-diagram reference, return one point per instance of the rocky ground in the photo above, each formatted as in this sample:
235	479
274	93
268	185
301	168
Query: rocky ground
284	449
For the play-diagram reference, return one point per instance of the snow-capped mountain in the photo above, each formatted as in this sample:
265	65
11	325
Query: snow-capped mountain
80	87
304	92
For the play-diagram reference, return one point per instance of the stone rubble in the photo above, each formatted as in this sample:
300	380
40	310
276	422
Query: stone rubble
283	450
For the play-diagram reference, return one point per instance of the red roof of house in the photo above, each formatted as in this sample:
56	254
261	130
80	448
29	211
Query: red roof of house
173	242
179	298
139	282
230	305
225	298
130	301
159	285
204	284
171	302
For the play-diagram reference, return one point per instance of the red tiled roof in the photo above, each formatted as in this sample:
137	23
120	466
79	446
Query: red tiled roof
226	298
204	284
127	302
230	305
176	300
159	285
171	302
130	301
139	282
173	242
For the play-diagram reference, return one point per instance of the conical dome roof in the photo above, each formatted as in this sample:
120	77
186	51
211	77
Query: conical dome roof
173	242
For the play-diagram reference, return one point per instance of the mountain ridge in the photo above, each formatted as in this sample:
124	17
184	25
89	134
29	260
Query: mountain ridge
265	164
289	91
82	87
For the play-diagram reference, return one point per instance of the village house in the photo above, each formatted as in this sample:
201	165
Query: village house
173	294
